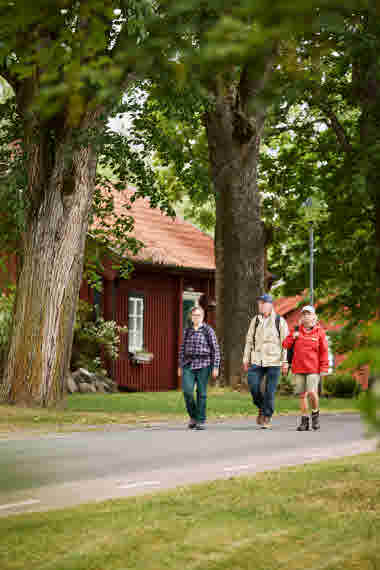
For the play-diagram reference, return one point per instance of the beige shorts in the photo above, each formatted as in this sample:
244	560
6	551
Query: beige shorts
306	383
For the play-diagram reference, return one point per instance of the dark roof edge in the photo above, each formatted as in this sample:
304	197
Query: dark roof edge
173	268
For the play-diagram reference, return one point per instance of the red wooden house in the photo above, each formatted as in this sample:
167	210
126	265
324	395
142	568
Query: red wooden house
172	271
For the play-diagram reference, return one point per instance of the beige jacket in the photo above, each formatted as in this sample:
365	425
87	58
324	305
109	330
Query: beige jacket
266	349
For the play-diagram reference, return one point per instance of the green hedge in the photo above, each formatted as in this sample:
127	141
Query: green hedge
341	386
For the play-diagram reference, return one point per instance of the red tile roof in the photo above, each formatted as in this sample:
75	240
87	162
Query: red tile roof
285	305
166	241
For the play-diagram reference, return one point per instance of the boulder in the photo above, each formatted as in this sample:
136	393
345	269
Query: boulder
85	388
112	386
83	375
71	384
87	382
100	386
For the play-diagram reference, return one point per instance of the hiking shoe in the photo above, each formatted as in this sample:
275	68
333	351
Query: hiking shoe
260	418
200	426
192	424
304	425
267	423
315	424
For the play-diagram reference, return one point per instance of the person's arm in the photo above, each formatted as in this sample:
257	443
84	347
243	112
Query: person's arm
215	352
323	353
248	344
290	339
181	354
284	330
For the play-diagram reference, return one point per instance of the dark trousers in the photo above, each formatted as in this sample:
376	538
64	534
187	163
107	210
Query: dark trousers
264	401
195	408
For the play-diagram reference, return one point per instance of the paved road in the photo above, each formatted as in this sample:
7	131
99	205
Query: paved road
38	473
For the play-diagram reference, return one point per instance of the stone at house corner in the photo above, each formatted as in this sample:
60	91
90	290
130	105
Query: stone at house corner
112	386
86	382
101	386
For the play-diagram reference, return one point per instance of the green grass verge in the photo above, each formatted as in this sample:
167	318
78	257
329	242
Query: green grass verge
318	516
82	411
220	403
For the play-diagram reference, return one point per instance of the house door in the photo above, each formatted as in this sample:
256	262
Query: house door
189	300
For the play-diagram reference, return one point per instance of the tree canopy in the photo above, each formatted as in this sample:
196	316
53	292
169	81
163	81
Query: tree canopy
215	73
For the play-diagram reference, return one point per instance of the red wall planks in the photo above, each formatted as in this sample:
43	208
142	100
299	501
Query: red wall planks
160	294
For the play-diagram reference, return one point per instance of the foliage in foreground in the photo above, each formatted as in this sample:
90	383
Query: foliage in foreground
369	354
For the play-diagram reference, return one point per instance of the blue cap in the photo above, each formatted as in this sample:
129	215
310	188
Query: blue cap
266	298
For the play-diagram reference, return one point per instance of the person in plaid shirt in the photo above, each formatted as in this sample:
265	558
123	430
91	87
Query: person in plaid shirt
199	355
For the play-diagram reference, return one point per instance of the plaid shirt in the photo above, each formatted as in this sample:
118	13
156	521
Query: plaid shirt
198	353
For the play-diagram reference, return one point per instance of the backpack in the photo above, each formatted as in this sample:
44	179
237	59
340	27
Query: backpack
290	352
277	321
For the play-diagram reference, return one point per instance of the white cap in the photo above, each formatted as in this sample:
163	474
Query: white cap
308	308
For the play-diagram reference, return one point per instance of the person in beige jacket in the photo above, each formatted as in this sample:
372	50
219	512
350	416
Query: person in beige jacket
264	356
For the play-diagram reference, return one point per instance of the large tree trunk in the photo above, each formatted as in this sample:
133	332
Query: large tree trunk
219	282
50	278
234	139
367	91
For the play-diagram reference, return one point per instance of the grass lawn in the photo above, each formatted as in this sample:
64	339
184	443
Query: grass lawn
82	411
318	516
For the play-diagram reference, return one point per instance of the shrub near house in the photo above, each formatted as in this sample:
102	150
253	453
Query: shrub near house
94	337
341	386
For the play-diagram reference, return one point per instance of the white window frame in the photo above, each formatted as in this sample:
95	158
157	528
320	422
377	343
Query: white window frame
192	296
136	332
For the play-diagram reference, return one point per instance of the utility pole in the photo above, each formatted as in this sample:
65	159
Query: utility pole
309	204
311	241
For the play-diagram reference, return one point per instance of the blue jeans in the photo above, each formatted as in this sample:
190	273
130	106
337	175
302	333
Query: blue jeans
265	402
190	378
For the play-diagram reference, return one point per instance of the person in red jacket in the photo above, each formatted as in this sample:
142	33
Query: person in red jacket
310	361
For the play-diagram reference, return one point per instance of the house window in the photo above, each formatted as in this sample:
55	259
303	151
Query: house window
135	323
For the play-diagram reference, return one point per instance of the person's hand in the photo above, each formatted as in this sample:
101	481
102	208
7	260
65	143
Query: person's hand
179	372
245	366
215	372
284	368
296	334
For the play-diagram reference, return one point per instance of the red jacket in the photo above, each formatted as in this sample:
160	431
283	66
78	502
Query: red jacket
310	350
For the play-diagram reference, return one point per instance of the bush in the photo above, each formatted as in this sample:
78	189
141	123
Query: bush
286	386
341	386
93	336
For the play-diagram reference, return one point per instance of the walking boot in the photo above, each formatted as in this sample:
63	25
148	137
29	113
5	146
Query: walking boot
304	425
260	418
267	423
315	424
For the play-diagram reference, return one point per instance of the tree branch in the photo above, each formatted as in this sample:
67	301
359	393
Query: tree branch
251	84
337	127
